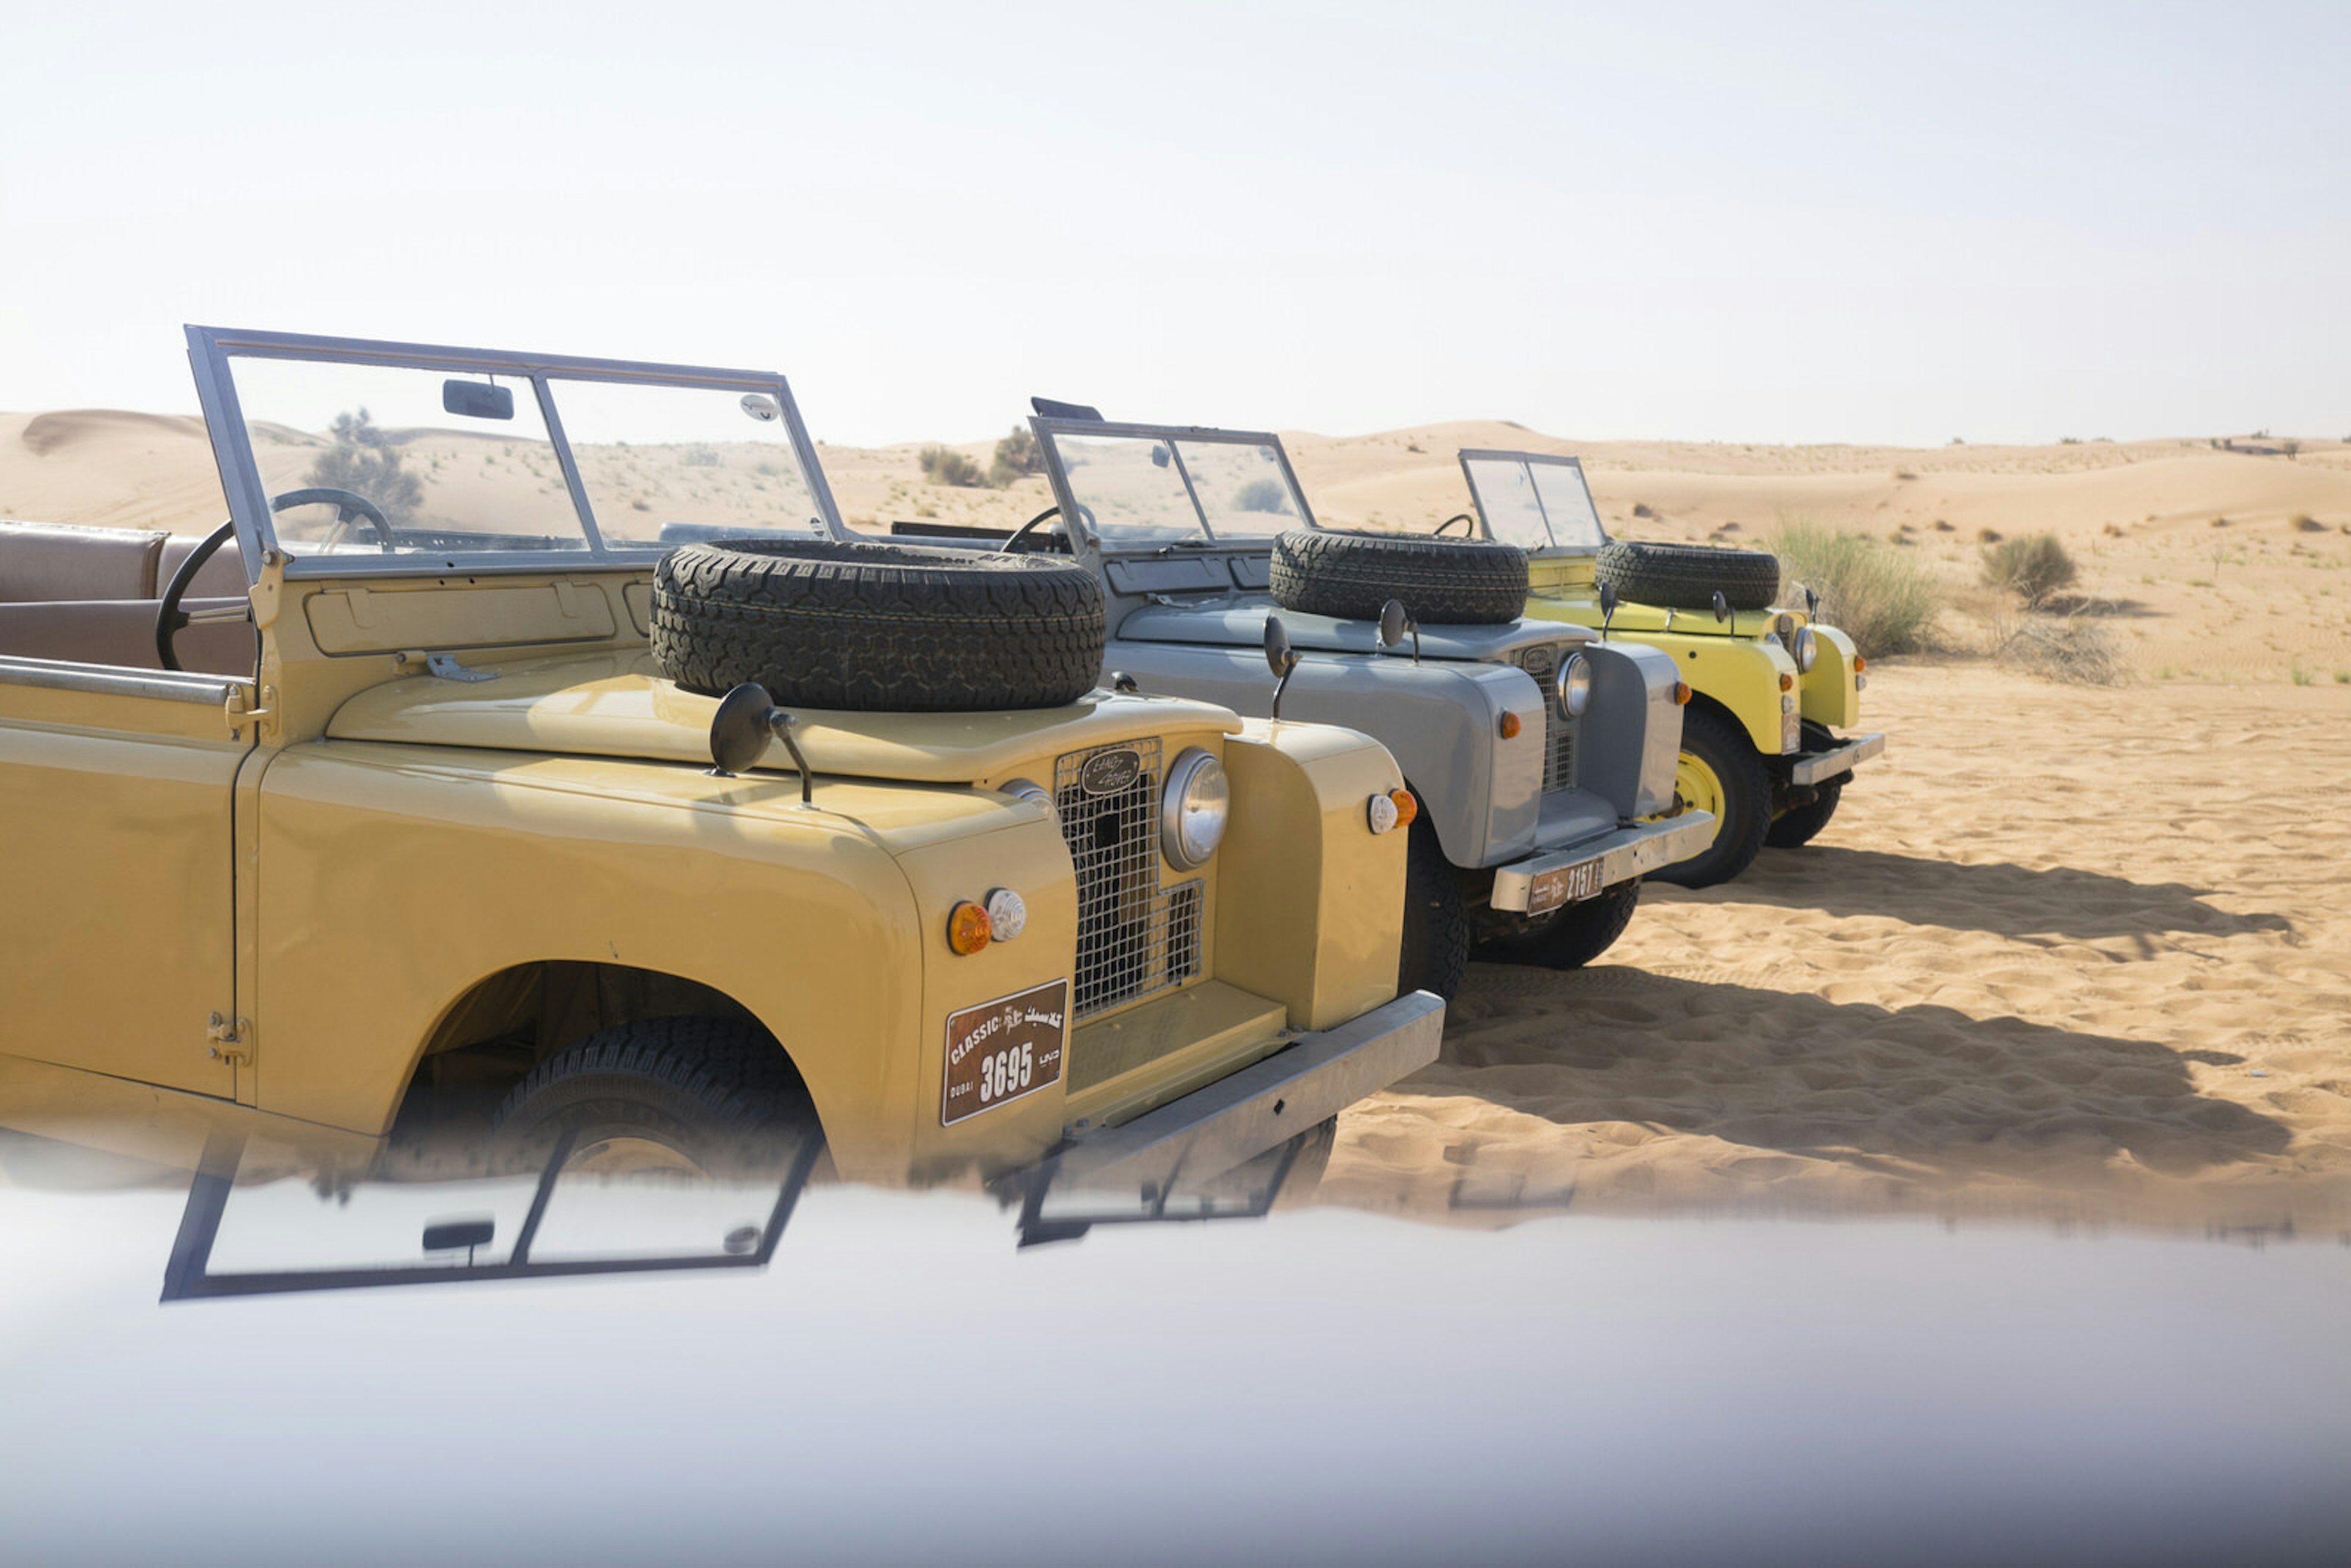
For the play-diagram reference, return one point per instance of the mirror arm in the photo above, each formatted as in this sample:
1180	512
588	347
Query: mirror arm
780	723
1288	668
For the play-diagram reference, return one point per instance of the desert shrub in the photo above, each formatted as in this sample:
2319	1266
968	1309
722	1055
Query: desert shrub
946	466
2031	567
2079	651
364	460
1017	456
698	457
2307	524
1262	496
1989	535
1641	509
1882	600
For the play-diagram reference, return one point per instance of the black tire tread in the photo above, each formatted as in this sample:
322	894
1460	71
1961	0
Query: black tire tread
726	1069
1686	577
1436	949
1573	936
1442	582
875	627
1799	825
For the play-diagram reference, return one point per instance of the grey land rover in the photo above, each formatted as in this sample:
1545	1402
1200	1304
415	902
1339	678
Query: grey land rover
1542	755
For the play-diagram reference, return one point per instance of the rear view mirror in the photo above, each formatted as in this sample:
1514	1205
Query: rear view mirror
1395	622
459	1235
1608	602
1159	457
476	400
1279	657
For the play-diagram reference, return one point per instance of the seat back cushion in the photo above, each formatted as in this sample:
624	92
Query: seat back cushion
41	562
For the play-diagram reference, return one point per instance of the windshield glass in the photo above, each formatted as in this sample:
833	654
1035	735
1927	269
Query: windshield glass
671	464
1505	494
370	459
1567	502
1144	488
1534	501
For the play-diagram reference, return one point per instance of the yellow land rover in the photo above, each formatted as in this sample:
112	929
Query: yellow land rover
1772	685
528	732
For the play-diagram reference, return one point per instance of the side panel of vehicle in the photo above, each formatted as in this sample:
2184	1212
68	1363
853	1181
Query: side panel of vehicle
394	878
1632	730
1830	695
1442	722
1308	892
117	933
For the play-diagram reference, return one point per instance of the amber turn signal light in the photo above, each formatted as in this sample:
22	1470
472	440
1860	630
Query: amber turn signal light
1859	664
1511	726
1406	807
1787	682
1681	692
967	928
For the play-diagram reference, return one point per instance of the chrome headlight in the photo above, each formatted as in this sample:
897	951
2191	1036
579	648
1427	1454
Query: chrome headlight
1574	686
1193	809
1806	648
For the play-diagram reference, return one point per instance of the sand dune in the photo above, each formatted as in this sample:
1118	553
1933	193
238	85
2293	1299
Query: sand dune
2081	954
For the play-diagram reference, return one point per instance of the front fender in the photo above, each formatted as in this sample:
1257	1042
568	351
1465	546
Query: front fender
1632	732
1442	722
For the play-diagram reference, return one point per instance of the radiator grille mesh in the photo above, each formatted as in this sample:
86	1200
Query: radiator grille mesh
1559	731
1134	937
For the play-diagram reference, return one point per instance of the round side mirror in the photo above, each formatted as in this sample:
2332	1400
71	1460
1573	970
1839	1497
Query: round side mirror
741	729
1608	599
1159	456
1393	622
1277	654
1721	605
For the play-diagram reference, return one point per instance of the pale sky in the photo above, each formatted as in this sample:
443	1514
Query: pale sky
1749	222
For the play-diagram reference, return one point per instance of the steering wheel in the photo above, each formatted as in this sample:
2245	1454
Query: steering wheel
1010	545
170	620
1470	532
348	504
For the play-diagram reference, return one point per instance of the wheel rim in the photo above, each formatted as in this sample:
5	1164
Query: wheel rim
1698	787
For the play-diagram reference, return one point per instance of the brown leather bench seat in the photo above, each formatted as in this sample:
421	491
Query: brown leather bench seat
89	596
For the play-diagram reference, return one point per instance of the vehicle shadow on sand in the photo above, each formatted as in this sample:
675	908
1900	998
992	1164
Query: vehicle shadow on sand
2005	900
1921	1093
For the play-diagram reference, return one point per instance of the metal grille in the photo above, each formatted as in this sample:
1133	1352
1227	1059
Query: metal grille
1133	936
1559	731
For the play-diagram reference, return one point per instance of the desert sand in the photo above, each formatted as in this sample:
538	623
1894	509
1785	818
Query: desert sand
2068	953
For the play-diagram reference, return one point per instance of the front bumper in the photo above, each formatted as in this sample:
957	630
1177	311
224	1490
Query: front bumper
1566	876
1240	1116
1816	767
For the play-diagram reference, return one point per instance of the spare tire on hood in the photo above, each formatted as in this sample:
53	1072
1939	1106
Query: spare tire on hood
878	628
1687	577
1459	583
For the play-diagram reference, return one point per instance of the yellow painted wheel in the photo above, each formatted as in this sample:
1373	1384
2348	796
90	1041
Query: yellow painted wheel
1720	773
1698	789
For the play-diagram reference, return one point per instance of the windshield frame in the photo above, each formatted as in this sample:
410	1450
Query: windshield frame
211	349
1498	453
1046	426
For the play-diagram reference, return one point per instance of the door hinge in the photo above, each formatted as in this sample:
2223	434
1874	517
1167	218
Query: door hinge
239	715
227	1040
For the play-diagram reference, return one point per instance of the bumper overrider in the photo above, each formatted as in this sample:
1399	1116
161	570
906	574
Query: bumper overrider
1544	883
1819	767
1213	1129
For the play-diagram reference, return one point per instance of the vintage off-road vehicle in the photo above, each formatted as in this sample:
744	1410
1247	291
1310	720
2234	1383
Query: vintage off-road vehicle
1760	753
1536	750
428	812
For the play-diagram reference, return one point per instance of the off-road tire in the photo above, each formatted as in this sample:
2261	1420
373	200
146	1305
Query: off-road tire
1687	577
878	627
1436	950
1718	741
1441	582
1571	937
1799	825
718	1090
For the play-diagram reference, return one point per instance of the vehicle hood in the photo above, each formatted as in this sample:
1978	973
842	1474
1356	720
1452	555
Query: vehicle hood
1240	622
619	704
1560	583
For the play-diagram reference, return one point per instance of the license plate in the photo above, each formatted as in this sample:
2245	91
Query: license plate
1001	1051
1569	884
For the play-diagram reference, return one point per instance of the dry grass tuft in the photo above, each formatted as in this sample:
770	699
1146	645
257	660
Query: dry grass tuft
2073	649
1884	600
2307	524
2031	567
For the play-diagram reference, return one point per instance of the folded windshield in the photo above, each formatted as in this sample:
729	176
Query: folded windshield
360	461
1144	487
